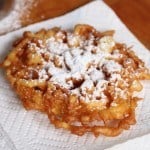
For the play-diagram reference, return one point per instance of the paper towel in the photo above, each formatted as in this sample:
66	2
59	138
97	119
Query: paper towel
31	130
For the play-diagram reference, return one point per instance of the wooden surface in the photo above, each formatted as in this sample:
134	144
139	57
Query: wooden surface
44	9
136	15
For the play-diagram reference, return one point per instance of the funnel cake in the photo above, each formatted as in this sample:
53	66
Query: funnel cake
82	79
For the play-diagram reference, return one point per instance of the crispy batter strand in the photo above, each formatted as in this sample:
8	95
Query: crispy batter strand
94	95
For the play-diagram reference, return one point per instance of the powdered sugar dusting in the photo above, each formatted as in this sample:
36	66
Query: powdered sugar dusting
12	20
79	65
112	66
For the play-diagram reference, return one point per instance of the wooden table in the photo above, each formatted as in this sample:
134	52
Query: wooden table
44	9
136	15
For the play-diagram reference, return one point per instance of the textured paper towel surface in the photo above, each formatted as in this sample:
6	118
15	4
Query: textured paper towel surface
31	130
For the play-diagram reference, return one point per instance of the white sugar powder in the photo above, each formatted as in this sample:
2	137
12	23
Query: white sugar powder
56	47
12	20
74	66
111	66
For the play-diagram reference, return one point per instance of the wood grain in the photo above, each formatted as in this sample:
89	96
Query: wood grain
136	15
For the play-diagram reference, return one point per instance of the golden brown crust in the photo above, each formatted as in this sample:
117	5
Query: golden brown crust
67	110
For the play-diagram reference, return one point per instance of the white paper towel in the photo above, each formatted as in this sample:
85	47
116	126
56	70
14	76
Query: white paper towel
31	130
